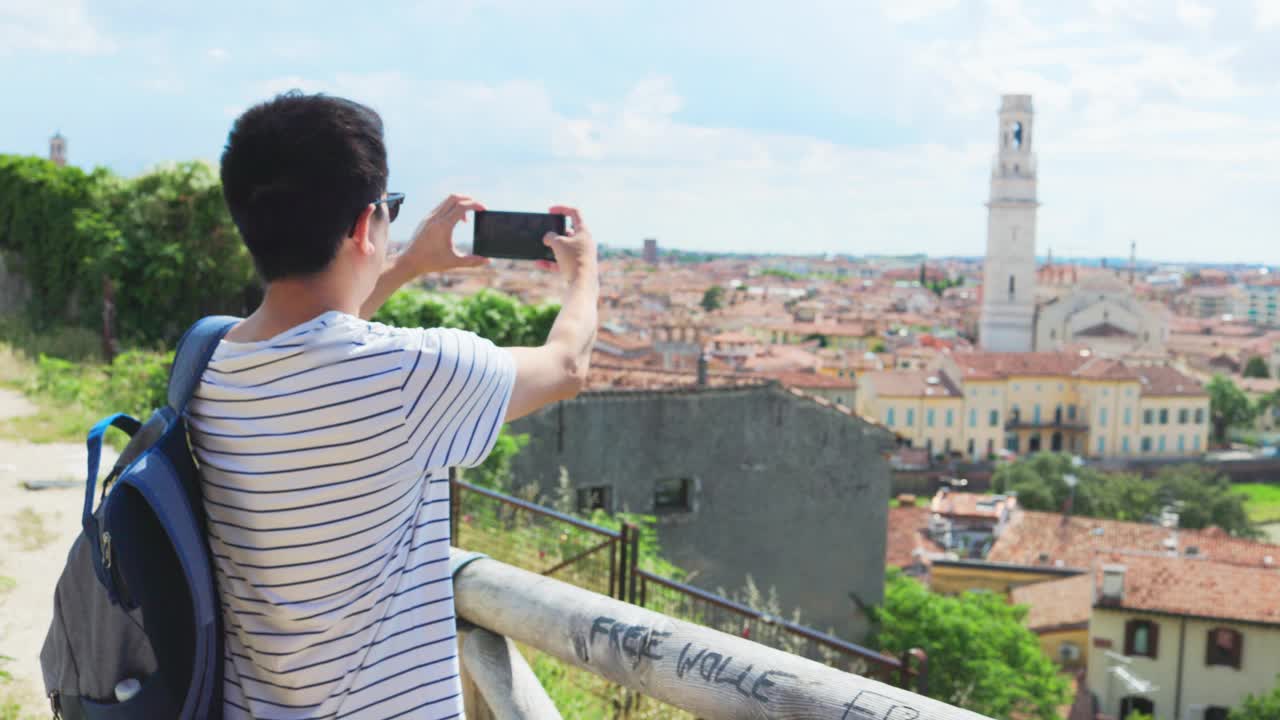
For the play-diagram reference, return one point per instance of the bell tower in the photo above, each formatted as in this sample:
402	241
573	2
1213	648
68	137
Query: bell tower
58	149
1008	276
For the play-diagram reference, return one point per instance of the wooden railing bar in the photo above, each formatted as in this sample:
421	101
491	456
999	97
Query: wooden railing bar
714	675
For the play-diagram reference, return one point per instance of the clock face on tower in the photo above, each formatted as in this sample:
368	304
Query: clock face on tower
1017	135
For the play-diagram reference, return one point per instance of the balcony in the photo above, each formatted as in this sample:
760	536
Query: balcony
1057	421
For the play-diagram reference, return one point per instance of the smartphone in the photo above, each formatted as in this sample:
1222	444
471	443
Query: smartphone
515	235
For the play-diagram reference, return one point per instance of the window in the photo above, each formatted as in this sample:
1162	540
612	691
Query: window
1102	445
1136	704
993	418
1128	416
1011	287
1141	638
1214	712
1224	647
950	417
1184	415
1106	392
1161	443
1146	444
1124	444
1195	443
1035	414
1182	443
1102	417
888	417
1148	416
911	417
1071	412
928	417
1199	416
593	498
1164	416
972	448
1128	392
1037	387
973	417
672	495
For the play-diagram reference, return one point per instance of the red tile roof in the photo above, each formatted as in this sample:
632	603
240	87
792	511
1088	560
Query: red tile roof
993	365
1197	586
1056	604
803	380
906	540
910	383
1164	381
1041	538
970	505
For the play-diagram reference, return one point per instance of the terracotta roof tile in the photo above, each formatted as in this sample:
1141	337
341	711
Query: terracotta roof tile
1164	381
970	505
1041	538
1056	603
1197	586
910	383
993	365
907	540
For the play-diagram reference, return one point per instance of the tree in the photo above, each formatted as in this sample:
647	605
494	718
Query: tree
1259	707
1228	406
713	298
981	655
1202	497
1256	368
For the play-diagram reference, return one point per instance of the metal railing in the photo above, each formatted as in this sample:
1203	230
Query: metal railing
539	539
700	670
699	606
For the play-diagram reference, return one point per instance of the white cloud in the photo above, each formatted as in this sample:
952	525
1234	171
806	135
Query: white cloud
906	11
1195	15
218	54
51	26
1268	14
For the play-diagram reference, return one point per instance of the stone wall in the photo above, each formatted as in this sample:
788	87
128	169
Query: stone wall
785	489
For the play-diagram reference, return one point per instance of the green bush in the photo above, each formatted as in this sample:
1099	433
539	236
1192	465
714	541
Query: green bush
489	313
136	382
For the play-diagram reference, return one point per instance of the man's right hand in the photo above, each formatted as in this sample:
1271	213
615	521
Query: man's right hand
575	251
558	369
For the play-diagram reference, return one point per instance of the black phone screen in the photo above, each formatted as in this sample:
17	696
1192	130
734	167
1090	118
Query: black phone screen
515	235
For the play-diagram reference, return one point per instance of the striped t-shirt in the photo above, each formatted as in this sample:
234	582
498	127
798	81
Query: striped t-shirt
324	453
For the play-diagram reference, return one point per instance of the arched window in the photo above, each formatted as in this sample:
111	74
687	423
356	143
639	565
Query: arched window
1011	287
1141	638
1224	647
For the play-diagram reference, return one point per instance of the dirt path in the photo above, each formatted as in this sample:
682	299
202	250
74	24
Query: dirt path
36	530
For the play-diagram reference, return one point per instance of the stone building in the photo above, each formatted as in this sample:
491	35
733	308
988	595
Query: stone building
753	479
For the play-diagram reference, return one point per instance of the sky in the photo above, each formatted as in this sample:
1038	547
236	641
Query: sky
805	126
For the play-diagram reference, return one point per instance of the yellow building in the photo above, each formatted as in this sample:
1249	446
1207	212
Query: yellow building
1182	637
1025	403
1058	613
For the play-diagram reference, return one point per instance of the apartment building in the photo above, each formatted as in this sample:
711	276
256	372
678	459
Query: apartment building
979	404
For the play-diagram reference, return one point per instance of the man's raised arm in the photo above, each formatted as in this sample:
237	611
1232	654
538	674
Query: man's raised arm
558	369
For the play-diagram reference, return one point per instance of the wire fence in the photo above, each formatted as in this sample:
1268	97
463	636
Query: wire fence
606	561
686	602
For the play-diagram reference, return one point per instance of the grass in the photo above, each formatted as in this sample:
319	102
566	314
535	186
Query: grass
28	530
1263	504
921	501
52	421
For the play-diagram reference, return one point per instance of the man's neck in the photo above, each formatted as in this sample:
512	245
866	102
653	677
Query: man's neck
289	303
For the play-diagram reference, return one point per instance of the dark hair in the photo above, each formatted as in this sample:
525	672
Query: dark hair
296	172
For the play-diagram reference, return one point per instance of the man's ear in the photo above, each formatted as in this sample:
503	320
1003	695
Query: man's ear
363	241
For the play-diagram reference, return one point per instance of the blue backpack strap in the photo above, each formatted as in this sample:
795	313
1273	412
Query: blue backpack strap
194	350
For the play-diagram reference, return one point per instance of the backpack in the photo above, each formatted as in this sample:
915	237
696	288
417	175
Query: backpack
137	622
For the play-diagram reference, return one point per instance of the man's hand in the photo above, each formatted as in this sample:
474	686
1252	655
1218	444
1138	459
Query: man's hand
558	370
431	249
575	251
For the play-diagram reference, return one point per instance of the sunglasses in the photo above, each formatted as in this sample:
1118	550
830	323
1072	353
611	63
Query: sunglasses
393	202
